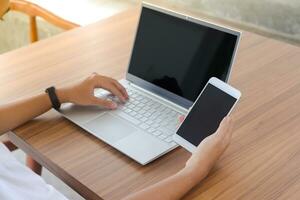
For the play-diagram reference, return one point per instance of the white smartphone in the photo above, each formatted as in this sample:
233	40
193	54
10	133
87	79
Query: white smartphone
216	101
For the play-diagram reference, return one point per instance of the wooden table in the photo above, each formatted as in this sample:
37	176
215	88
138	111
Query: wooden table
261	163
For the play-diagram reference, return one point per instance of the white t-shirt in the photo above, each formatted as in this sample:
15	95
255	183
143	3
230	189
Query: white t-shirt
19	182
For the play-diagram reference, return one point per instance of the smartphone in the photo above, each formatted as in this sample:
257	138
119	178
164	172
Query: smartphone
216	101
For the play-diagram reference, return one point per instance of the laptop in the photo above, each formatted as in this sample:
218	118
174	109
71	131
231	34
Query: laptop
173	56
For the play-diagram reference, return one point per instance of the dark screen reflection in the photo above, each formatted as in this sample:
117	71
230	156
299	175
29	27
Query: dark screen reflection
178	55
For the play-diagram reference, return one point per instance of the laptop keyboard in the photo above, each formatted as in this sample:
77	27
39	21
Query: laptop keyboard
149	115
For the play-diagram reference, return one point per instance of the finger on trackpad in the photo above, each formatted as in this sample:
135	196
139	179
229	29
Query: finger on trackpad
109	128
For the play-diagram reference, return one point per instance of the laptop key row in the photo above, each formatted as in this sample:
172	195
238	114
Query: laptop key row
151	116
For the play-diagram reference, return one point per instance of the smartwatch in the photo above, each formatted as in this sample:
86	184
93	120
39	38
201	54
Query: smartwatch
53	98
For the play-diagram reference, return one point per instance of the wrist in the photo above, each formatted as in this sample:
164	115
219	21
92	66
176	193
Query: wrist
193	175
62	95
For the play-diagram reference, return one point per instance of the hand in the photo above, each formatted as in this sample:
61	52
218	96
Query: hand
209	151
82	93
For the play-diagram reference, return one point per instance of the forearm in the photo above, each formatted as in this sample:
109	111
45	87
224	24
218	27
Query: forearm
17	113
172	188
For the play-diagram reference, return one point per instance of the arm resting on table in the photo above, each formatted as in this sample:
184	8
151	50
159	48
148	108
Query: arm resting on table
172	188
14	114
17	113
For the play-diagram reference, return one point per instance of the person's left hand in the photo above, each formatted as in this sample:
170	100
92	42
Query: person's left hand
82	93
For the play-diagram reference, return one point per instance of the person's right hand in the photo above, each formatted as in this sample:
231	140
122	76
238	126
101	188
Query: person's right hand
82	93
209	151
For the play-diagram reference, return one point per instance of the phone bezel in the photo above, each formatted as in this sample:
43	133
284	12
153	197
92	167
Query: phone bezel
222	86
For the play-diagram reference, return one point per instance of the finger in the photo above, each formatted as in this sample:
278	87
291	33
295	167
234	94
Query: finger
181	118
226	129
105	103
115	91
230	128
108	85
121	88
224	126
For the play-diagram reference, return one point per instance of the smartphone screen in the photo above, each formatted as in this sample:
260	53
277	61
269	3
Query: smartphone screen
207	113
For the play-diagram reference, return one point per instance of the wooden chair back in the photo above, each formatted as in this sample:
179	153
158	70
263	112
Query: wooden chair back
34	11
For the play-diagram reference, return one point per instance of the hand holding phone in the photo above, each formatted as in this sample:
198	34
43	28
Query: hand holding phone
216	101
209	151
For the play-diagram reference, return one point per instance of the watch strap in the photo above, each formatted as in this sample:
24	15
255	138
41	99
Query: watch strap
53	98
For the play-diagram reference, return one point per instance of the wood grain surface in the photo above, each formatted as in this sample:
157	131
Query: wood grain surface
262	161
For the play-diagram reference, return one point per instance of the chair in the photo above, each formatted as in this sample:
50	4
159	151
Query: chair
34	11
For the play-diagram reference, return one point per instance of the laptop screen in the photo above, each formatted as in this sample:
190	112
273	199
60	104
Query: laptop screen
179	55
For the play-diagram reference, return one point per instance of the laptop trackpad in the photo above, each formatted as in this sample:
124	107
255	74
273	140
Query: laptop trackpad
109	128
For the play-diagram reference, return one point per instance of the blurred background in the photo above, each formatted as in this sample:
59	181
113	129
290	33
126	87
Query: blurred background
279	19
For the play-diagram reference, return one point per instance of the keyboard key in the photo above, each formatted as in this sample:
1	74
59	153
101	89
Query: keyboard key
157	133
151	130
169	139
155	125
160	117
144	126
152	117
122	107
133	113
161	108
140	104
136	109
173	143
127	110
150	103
147	114
135	103
171	127
139	116
155	105
163	123
151	111
162	136
158	120
144	119
167	110
144	100
166	131
149	122
173	113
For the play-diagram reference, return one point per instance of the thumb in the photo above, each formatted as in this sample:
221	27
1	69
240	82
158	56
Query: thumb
181	118
225	128
105	103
